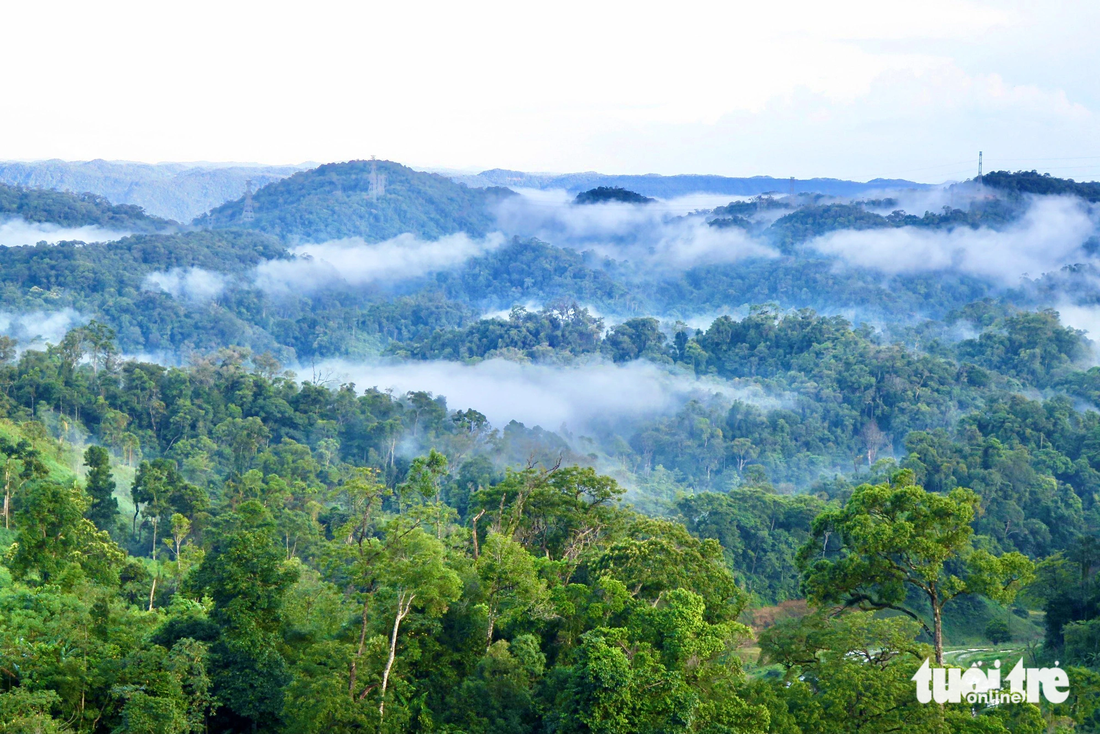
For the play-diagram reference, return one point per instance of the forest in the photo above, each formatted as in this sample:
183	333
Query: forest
617	469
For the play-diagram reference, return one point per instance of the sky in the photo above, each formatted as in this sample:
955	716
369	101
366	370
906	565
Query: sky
847	89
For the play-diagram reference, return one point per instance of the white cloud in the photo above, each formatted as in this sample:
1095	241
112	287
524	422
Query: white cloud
655	234
16	232
543	395
695	87
1048	237
35	328
353	262
191	284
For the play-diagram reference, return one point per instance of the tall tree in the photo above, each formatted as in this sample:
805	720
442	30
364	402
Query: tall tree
889	539
103	510
246	575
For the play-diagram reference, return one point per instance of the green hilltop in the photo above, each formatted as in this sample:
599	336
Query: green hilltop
334	201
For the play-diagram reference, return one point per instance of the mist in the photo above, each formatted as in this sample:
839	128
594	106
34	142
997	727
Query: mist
578	397
17	232
353	262
189	284
37	328
1049	236
659	234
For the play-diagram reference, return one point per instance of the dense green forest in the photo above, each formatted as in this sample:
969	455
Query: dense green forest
850	471
75	210
334	201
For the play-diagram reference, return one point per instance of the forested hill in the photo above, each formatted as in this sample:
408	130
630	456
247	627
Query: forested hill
74	210
1032	182
334	201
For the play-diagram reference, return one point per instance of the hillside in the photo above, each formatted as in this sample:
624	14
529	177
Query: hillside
179	191
74	210
334	201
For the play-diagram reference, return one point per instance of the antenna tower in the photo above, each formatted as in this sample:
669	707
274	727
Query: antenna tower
979	166
377	181
792	187
247	214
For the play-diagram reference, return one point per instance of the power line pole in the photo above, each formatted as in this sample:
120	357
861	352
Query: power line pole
247	214
979	166
377	181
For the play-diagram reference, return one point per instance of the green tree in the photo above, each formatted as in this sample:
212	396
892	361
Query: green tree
100	486
246	575
888	539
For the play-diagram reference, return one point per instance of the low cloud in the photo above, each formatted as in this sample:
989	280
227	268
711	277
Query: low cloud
1048	236
17	232
353	262
576	396
36	328
660	234
189	284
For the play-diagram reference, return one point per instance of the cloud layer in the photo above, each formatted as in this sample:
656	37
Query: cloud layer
352	262
16	232
1049	236
576	396
657	234
35	328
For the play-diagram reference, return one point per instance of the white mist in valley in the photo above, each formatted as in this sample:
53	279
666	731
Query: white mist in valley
38	328
353	262
189	284
18	232
1047	237
577	396
656	234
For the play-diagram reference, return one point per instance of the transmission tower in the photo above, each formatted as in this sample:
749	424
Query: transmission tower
247	215
377	181
792	187
979	166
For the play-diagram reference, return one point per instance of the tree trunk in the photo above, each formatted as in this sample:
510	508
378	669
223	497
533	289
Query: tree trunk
937	629
404	603
152	591
354	671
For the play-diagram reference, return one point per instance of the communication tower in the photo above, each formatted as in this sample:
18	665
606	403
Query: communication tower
377	181
979	166
247	215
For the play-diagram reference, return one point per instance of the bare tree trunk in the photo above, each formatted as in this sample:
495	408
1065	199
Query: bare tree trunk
404	603
476	518
152	591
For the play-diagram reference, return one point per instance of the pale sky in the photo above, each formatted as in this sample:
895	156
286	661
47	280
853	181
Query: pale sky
848	89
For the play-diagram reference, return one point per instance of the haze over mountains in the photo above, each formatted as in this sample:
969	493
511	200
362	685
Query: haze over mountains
183	191
179	191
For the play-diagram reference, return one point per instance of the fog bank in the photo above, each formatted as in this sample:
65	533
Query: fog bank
16	232
576	396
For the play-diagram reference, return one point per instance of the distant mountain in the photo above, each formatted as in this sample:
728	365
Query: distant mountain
671	186
334	201
179	191
44	206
